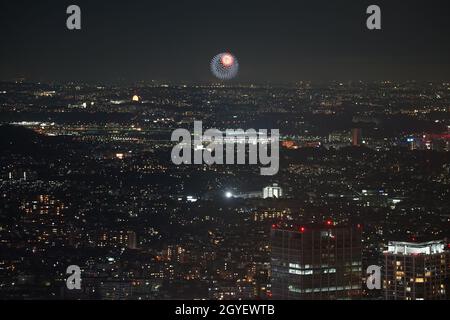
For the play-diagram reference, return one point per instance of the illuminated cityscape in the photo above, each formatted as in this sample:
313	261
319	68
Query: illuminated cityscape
225	158
86	179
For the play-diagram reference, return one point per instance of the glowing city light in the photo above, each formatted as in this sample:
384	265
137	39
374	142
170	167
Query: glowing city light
227	60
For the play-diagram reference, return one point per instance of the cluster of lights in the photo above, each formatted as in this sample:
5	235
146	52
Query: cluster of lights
328	223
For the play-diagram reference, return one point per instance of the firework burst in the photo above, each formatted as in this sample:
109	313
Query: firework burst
224	66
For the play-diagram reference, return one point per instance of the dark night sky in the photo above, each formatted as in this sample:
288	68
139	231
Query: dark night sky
275	41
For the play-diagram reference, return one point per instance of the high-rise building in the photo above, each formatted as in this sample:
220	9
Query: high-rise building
416	271
339	136
273	191
439	145
318	262
132	240
356	137
412	144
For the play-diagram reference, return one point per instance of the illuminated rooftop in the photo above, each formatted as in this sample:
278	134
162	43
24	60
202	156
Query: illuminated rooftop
412	248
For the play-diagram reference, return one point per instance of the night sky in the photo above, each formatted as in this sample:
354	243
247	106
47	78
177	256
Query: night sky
275	41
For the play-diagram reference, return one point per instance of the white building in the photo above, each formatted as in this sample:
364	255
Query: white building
273	191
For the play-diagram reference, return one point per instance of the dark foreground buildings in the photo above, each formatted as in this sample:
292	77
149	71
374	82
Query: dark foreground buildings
316	262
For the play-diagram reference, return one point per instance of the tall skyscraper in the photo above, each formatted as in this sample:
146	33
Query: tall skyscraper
412	144
356	137
131	240
416	271
316	262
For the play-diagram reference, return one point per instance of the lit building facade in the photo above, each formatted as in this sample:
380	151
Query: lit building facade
273	191
316	263
356	137
416	271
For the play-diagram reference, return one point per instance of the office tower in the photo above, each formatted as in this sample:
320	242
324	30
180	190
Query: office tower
339	136
356	137
273	191
412	144
316	262
416	271
131	240
439	145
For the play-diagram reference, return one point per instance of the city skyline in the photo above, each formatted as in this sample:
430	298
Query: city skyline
201	151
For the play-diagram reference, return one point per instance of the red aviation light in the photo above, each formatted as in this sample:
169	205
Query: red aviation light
302	229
